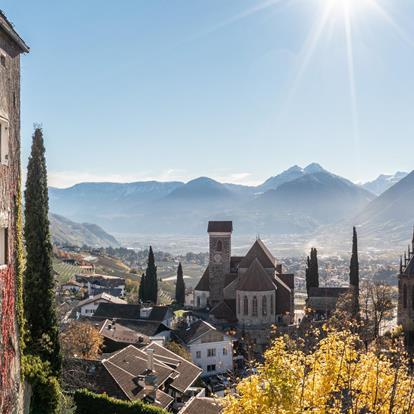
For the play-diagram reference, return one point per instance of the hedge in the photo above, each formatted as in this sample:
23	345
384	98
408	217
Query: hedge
90	403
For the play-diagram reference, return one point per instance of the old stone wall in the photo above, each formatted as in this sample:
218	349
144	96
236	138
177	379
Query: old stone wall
10	387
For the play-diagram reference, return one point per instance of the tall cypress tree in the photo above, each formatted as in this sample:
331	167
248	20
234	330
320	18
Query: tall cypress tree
142	293
39	286
151	280
354	273
180	286
312	270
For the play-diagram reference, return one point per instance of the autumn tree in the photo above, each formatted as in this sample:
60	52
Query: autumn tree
340	376
81	340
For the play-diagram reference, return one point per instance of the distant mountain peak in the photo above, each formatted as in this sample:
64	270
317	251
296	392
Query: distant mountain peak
314	168
383	182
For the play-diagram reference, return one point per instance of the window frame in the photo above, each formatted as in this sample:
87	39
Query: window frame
4	247
4	141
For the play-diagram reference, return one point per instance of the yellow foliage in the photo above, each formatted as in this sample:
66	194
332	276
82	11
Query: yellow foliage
340	376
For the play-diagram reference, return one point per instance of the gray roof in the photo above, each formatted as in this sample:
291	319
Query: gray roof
196	329
261	252
202	405
8	27
220	227
203	284
256	279
409	270
332	292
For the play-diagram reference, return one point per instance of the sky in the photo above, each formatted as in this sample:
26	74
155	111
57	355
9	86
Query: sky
237	90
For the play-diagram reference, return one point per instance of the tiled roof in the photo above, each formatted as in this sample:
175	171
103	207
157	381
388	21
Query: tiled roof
203	284
202	405
332	292
112	300
188	372
256	279
122	334
220	227
261	252
7	27
197	329
129	311
223	311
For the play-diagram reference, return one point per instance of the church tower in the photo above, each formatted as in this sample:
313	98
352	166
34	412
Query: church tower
219	259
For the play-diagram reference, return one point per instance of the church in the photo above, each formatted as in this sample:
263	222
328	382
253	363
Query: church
250	291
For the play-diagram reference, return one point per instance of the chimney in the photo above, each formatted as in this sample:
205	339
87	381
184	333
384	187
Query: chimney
150	360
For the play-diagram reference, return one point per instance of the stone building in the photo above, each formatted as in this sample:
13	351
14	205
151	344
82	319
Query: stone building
11	46
245	291
405	315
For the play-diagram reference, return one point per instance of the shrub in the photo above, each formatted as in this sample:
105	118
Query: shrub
90	403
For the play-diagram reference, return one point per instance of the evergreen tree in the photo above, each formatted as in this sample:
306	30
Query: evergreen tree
312	270
354	273
141	290
39	286
180	286
151	280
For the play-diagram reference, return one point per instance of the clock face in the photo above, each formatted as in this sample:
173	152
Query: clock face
217	258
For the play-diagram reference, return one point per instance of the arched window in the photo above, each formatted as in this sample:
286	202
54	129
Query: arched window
264	306
238	304
198	301
254	311
245	306
272	306
219	246
405	295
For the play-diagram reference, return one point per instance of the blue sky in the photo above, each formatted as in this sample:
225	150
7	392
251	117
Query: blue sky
232	89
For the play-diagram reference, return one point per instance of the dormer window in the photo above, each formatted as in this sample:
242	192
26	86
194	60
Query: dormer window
4	246
4	141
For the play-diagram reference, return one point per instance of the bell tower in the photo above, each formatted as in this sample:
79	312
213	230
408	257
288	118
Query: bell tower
219	258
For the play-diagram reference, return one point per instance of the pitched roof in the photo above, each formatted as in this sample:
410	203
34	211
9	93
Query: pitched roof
261	252
220	227
129	311
102	296
202	405
188	372
331	292
256	279
7	27
223	311
203	284
122	334
409	270
196	330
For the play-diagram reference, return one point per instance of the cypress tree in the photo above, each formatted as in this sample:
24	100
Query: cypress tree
39	285
180	286
312	270
142	291
151	280
354	273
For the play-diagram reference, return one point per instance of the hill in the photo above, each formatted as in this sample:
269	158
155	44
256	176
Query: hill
67	232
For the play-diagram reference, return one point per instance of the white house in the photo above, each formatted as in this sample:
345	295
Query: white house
210	349
89	306
96	283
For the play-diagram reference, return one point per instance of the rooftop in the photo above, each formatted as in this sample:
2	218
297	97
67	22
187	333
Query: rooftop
220	227
8	28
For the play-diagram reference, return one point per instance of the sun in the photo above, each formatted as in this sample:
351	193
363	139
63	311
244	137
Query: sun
350	7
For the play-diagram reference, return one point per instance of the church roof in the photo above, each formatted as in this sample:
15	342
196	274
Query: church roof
261	252
7	27
220	227
256	279
203	284
409	270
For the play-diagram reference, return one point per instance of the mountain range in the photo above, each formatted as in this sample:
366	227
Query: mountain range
299	200
384	182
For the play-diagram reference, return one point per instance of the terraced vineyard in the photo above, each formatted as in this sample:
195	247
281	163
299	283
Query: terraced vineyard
65	271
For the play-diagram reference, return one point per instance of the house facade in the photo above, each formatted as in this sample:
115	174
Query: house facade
210	349
11	47
89	306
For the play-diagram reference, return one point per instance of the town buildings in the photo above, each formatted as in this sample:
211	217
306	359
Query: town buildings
11	47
